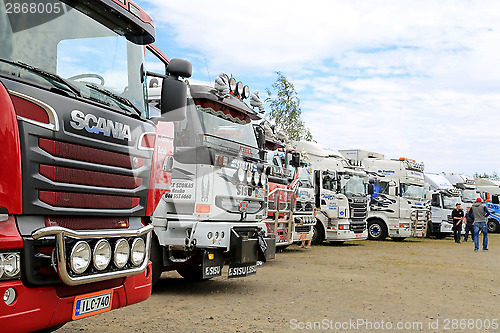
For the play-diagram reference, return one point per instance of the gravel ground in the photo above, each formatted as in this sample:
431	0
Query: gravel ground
418	285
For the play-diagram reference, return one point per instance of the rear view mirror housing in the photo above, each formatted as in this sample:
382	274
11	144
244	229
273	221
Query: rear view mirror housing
174	91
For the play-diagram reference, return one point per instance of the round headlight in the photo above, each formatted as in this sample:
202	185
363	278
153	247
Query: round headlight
249	176
246	92
1	265
79	258
256	178
11	265
239	88
138	251
122	253
263	179
232	84
240	173
102	254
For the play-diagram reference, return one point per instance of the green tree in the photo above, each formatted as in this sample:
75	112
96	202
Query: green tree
285	109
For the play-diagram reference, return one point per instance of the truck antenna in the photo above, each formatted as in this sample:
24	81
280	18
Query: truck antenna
206	64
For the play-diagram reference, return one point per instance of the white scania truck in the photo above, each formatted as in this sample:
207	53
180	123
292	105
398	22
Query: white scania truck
341	197
444	197
398	208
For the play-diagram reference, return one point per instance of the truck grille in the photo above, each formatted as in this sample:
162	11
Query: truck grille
304	206
359	209
302	229
357	226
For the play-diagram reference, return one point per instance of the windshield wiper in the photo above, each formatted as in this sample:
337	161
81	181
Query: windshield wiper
45	74
119	98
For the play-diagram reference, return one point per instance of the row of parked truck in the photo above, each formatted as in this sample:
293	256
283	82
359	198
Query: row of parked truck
115	169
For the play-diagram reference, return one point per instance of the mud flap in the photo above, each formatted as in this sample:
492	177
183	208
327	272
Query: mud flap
212	263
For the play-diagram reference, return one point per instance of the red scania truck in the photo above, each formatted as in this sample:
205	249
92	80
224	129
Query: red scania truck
74	172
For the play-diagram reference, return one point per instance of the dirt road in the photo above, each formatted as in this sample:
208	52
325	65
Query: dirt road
417	285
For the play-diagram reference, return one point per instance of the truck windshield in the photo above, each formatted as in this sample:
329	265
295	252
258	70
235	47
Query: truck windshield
67	50
352	185
412	191
305	178
469	195
227	125
449	202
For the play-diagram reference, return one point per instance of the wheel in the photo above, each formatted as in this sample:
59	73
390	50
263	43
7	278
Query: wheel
441	235
318	233
156	258
492	226
398	239
377	230
192	273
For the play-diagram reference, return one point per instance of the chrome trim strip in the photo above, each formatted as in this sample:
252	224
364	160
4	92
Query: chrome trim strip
53	119
139	142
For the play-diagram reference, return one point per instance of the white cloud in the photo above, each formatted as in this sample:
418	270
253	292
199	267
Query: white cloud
415	78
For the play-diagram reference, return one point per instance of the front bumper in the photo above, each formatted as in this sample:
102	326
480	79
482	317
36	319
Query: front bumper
345	235
43	307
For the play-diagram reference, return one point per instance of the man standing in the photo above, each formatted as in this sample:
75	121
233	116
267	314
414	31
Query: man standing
457	216
469	227
480	213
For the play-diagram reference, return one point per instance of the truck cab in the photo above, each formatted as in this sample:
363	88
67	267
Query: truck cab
341	195
398	208
74	177
211	185
443	197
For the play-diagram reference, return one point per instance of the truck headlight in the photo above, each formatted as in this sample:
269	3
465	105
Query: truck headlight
122	253
256	178
138	251
249	177
263	179
80	256
102	254
240	175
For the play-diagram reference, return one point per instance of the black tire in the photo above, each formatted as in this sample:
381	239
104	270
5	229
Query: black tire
318	233
493	226
192	273
441	235
156	258
377	230
398	239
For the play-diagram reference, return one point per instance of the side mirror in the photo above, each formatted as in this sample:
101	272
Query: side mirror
371	189
173	99
260	136
180	67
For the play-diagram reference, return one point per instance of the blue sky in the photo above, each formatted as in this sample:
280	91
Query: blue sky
418	79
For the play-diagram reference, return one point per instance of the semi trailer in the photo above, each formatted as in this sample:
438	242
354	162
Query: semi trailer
74	176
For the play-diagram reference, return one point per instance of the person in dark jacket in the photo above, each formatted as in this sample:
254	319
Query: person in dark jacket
480	212
469	227
457	215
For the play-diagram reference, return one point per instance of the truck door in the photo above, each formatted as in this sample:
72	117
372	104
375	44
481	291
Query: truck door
328	201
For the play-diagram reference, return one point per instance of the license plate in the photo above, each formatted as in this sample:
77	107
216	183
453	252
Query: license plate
260	193
359	235
241	271
92	304
302	236
419	234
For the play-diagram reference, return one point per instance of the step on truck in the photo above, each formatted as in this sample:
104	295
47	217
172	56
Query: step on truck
443	197
74	178
209	184
305	210
398	208
341	195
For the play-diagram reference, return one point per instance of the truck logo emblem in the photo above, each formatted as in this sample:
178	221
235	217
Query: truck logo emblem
92	124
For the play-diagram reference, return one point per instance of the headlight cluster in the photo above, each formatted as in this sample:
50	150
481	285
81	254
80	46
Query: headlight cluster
10	265
101	254
251	177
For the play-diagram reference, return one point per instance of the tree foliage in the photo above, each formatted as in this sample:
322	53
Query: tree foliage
285	109
485	175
